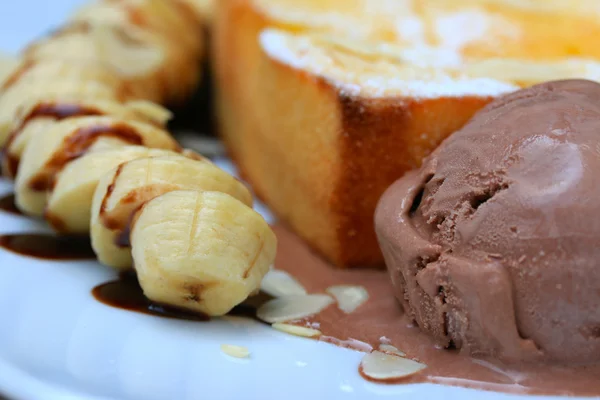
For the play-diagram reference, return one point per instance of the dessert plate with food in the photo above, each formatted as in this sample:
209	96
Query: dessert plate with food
408	210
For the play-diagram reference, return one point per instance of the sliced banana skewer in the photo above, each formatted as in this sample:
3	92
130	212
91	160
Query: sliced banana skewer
91	154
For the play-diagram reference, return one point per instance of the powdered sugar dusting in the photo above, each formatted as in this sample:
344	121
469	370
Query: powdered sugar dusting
411	29
385	7
334	20
375	69
444	87
460	28
381	78
584	7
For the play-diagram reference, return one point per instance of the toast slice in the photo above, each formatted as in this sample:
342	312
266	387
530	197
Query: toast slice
323	104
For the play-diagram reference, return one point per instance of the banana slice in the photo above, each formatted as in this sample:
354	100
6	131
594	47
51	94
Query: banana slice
133	54
100	43
52	70
37	117
33	91
68	139
8	65
127	187
203	251
158	16
149	110
181	48
70	202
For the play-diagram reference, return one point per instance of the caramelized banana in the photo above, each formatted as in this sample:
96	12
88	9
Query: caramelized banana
131	184
69	204
204	251
85	138
44	157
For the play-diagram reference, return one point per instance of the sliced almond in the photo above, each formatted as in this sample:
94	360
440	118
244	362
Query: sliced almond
296	330
279	283
388	348
348	297
386	367
385	340
154	112
289	308
235	351
349	344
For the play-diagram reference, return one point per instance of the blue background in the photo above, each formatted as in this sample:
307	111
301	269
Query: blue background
21	21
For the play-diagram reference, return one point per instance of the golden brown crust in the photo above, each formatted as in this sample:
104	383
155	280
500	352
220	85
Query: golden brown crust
374	142
381	140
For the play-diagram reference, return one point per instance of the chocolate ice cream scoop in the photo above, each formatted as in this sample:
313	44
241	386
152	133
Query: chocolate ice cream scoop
493	246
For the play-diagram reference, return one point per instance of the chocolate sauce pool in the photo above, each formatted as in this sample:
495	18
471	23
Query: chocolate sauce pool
126	293
381	316
8	205
379	320
48	247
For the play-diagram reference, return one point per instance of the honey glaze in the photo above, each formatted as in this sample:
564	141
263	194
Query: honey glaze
380	320
8	205
48	247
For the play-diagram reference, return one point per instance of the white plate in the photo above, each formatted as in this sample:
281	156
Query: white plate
58	342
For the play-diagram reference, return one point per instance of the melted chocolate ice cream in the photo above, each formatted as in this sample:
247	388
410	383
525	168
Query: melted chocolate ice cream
493	246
